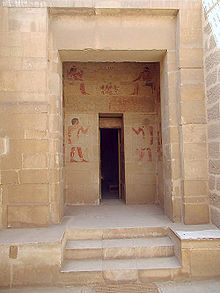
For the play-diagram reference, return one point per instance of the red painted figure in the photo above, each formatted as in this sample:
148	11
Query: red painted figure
77	74
141	130
146	77
149	154
141	153
80	154
76	127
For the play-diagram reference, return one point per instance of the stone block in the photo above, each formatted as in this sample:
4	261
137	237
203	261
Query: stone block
11	161
9	177
30	275
155	274
218	183
191	37
192	92
176	169
34	176
171	61
215	215
27	19
211	182
194	151
192	76
26	81
35	161
2	146
35	134
214	150
212	60
196	169
140	194
213	94
191	57
195	187
215	199
213	113
120	275
205	263
211	78
5	266
27	193
213	130
214	167
29	147
24	216
189	115
194	133
174	134
195	214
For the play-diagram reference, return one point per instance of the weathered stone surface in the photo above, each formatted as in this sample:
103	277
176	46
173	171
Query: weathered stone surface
28	216
211	78
212	59
213	94
213	131
213	112
214	166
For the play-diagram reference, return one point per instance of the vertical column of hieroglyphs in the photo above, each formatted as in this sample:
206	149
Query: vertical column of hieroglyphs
24	116
193	114
212	79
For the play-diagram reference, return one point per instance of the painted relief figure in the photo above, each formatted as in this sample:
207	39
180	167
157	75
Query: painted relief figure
76	129
77	74
109	89
144	78
142	131
73	155
141	153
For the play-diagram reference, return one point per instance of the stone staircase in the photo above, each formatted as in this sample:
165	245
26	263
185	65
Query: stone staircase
119	255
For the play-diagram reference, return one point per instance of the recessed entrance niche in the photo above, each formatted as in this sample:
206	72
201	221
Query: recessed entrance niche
131	89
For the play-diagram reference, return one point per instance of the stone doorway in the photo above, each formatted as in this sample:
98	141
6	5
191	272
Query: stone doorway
129	93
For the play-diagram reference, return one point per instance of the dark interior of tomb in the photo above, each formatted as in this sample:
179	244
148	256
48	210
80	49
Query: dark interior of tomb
109	163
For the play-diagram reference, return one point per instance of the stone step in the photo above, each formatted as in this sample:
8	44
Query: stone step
121	270
115	233
119	248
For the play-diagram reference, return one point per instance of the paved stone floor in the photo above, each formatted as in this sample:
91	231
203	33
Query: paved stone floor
210	286
109	214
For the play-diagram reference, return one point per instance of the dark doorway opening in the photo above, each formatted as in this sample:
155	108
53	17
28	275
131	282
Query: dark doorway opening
109	163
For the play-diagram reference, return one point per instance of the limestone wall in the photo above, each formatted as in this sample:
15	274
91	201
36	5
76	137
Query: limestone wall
91	89
212	74
29	123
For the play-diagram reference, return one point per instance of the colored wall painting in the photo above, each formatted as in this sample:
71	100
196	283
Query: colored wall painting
145	79
109	89
74	132
141	152
141	131
144	140
77	74
78	154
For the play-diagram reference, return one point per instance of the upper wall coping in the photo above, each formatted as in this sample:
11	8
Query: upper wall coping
126	4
